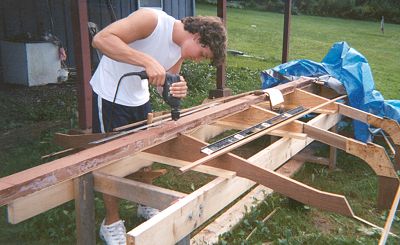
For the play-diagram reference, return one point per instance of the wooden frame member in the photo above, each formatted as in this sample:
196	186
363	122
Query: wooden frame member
65	169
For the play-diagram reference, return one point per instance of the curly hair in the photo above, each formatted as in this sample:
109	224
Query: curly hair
212	34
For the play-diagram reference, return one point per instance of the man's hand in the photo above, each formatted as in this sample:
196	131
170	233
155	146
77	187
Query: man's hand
179	89
156	73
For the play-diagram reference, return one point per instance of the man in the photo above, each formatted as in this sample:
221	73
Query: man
147	40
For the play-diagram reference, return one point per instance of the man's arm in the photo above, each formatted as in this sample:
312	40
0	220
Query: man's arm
113	42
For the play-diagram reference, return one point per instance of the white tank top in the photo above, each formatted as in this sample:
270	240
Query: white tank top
133	91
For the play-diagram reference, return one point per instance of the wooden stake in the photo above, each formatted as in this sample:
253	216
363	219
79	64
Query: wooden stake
57	153
150	117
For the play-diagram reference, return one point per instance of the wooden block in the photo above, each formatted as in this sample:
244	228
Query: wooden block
146	175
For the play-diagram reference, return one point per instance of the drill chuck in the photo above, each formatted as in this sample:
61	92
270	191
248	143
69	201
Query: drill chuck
175	113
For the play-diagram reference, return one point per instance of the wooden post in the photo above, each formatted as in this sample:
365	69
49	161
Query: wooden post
333	151
286	31
79	18
221	90
84	207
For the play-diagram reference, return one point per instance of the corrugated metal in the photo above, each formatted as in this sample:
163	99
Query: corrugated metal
19	17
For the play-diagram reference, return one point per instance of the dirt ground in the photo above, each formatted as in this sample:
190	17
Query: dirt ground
28	111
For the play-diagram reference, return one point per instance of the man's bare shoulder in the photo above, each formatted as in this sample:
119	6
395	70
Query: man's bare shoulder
137	25
144	15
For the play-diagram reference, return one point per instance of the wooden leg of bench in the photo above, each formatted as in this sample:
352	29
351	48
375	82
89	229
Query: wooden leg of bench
84	207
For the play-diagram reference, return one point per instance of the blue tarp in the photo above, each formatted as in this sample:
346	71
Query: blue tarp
352	69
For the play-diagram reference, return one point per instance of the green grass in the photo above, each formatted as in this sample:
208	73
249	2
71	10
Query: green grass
311	38
256	33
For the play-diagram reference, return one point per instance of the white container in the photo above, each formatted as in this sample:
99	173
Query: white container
30	64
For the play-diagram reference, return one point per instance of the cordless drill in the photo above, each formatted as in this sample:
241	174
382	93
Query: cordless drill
172	101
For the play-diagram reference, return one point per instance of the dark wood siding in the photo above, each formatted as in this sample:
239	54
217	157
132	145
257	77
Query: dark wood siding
20	17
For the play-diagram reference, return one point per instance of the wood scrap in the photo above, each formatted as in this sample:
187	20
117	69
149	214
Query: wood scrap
265	219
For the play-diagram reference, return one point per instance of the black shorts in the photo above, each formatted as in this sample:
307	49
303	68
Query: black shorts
120	115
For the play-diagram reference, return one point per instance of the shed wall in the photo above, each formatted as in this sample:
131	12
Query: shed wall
21	19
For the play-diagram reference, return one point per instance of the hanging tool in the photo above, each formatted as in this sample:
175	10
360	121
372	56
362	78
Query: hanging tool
111	11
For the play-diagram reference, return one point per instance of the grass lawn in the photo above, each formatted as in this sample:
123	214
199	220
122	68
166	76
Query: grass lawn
260	34
27	125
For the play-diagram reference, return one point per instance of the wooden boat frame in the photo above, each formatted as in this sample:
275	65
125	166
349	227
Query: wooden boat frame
102	168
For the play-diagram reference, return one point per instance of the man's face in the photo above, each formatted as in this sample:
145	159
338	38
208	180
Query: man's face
195	51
